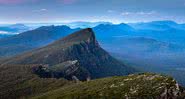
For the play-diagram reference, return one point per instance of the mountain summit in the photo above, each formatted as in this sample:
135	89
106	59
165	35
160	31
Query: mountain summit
82	36
78	54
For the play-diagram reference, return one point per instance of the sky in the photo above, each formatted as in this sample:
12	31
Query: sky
116	11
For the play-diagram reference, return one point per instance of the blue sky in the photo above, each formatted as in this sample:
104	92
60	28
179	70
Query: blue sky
117	11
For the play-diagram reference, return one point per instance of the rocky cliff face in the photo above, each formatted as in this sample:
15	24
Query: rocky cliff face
81	46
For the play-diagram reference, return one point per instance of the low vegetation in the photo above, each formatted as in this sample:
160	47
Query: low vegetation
141	86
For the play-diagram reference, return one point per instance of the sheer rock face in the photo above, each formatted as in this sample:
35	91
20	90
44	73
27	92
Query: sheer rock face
81	46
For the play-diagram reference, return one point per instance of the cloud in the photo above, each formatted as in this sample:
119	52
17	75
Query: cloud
146	13
138	13
15	1
4	32
110	11
126	13
40	10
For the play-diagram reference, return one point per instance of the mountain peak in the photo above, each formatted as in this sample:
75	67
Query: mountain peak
83	36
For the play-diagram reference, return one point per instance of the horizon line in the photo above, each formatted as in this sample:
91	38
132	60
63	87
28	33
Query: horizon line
67	22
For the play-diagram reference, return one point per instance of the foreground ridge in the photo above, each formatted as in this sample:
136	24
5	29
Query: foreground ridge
138	86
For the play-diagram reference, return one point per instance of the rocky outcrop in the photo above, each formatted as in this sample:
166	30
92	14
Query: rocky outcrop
173	92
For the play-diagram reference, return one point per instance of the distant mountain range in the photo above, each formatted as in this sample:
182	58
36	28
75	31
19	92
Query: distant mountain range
13	29
140	45
157	25
85	24
78	24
